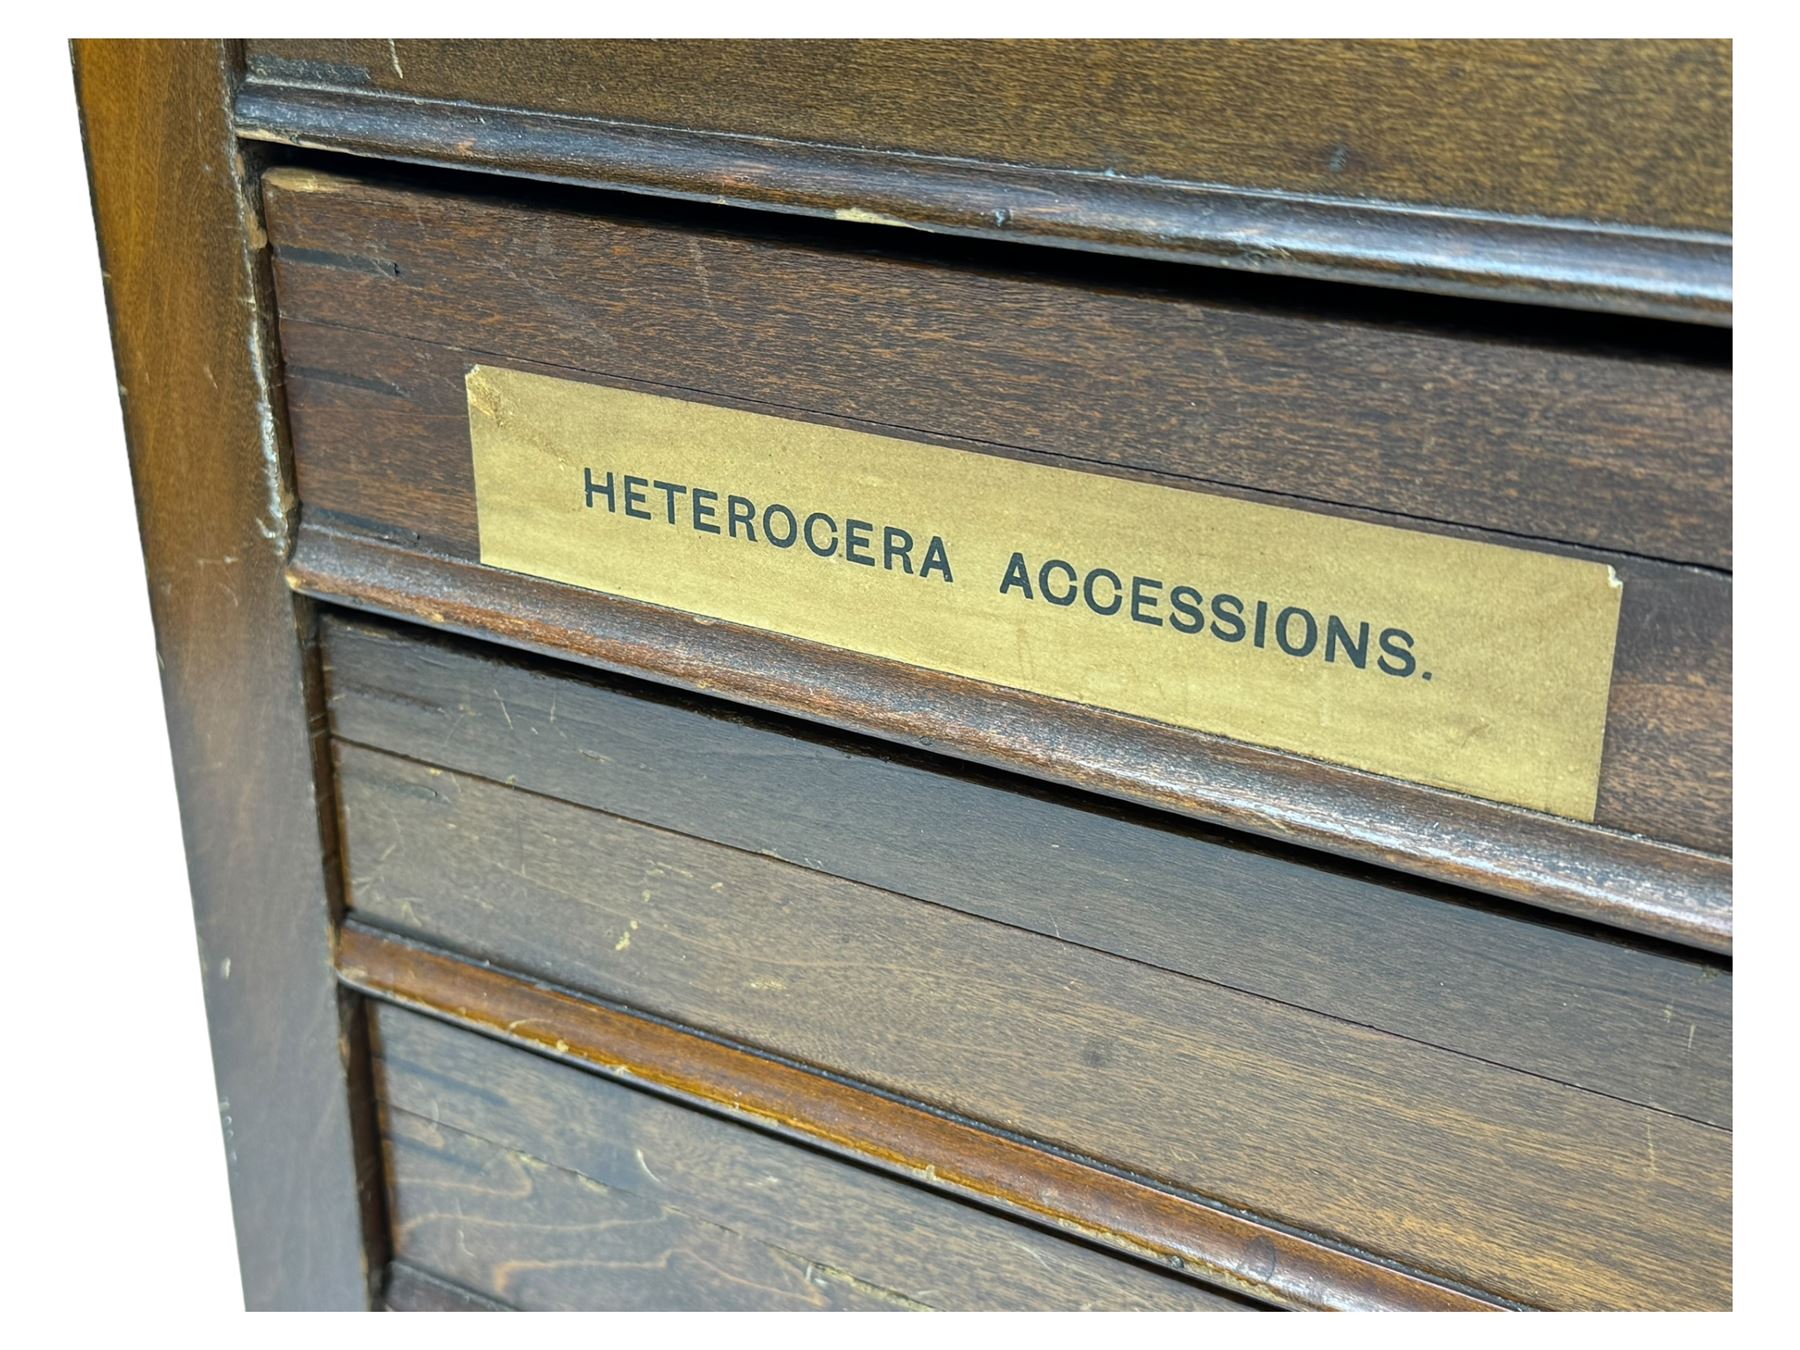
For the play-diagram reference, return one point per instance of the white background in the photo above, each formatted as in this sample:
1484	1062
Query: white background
114	1193
109	1083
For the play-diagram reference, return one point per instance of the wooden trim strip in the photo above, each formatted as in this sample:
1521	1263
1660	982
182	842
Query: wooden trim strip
1655	274
1238	1251
1563	865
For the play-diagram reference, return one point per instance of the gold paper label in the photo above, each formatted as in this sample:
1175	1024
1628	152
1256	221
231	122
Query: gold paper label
1466	665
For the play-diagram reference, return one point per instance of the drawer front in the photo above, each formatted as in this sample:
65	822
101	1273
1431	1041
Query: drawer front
1400	1051
1523	1107
1579	436
1591	175
1573	429
1631	132
536	1185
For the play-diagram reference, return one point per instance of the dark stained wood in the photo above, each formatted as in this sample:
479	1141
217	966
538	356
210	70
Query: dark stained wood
1572	266
1595	874
1057	1050
925	1247
1632	132
404	462
410	1289
543	1238
1502	1180
1650	1025
1100	1205
186	283
1160	149
1544	441
1458	414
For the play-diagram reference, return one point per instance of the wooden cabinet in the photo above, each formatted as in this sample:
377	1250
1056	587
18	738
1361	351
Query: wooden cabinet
589	952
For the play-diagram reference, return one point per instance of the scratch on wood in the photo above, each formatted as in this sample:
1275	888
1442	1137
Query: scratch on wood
857	215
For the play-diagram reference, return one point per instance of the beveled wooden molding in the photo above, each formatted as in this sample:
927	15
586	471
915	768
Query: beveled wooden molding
1574	868
1237	1251
1617	269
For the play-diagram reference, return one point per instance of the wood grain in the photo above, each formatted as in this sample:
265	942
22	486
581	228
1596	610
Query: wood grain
1074	1195
1561	865
186	283
1241	1134
1581	446
539	1237
1316	158
1621	131
1498	1179
1580	431
927	1248
1648	1024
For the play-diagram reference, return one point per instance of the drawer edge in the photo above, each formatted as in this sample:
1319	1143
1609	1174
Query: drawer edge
1238	1252
1581	870
1640	271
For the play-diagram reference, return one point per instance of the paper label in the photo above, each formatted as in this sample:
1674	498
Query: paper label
1470	666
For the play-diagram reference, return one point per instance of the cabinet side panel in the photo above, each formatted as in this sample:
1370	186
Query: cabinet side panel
183	254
